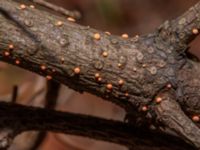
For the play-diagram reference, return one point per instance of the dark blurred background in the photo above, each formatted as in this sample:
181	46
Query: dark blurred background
134	17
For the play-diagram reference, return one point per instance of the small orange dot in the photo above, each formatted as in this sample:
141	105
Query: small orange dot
109	86
43	67
137	36
144	108
59	23
108	33
195	31
126	94
158	99
53	70
97	75
6	53
17	62
169	86
121	82
105	54
119	65
99	79
32	6
22	6
144	65
77	70
62	60
125	36
196	118
48	77
71	19
97	36
11	46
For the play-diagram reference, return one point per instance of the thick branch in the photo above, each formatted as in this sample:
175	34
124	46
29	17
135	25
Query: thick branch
127	72
68	47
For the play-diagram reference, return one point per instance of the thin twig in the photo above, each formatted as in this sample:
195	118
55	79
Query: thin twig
50	103
14	94
24	118
74	14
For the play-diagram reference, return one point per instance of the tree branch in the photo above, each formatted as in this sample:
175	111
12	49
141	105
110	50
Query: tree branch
127	72
74	14
182	30
170	113
17	117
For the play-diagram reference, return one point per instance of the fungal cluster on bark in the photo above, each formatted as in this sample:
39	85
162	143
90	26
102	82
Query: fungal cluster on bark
151	77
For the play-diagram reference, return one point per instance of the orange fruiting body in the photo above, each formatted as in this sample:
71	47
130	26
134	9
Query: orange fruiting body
196	118
105	54
17	62
59	23
77	70
195	31
22	6
97	36
109	86
71	19
43	67
48	77
6	53
121	82
11	46
144	108
158	99
97	75
125	36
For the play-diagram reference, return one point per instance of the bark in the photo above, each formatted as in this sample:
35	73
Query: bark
130	72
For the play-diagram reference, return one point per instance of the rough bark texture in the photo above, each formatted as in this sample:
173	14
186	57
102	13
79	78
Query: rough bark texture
133	73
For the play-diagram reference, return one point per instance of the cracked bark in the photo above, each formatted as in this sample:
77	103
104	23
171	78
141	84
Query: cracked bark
128	72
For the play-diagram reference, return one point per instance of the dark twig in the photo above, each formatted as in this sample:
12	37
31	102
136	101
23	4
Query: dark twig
74	14
14	94
50	103
52	94
7	135
17	118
